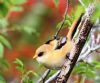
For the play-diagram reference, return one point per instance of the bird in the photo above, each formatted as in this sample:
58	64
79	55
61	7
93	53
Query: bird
54	52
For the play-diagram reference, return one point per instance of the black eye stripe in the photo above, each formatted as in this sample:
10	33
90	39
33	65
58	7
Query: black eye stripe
40	54
61	43
48	41
60	46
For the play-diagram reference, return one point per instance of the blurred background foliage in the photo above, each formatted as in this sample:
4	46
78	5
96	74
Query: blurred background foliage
26	24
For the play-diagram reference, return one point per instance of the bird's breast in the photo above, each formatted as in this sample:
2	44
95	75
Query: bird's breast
53	60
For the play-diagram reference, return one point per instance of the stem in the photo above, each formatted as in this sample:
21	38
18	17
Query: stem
83	78
26	75
66	11
44	76
52	77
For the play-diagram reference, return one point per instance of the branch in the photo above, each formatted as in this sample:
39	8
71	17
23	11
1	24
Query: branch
76	50
92	44
88	52
24	77
53	77
81	2
44	76
66	11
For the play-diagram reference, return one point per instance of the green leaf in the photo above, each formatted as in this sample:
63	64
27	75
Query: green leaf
29	30
78	11
87	2
80	68
4	41
85	69
35	74
96	14
52	73
90	72
70	18
18	2
67	23
7	3
19	62
17	9
3	23
4	64
3	9
96	64
56	2
1	50
59	25
2	80
21	69
20	65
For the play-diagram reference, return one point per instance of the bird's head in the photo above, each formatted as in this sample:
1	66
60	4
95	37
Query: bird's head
44	50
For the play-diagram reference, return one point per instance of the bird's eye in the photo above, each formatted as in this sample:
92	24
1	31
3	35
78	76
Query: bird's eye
40	54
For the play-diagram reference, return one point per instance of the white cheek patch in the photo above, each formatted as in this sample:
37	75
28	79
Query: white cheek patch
42	59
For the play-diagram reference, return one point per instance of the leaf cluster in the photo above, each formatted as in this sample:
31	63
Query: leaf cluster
89	70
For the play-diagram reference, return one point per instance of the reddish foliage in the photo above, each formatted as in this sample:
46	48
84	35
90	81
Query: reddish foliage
24	50
14	14
49	3
89	81
15	72
11	55
26	6
78	79
62	6
29	3
27	51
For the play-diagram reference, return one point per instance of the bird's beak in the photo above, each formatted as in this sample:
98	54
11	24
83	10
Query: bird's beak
35	56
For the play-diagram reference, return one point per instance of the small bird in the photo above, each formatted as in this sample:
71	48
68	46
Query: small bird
54	52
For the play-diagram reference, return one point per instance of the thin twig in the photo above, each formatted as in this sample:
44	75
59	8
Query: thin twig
95	48
26	76
66	11
85	56
53	77
44	76
81	2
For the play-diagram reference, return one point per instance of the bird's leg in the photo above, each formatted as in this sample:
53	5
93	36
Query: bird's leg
68	57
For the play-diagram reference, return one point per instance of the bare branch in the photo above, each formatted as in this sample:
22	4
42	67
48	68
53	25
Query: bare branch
92	44
53	77
81	2
24	77
85	55
66	11
44	76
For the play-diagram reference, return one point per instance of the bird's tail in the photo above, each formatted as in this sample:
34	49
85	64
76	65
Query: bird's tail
73	27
